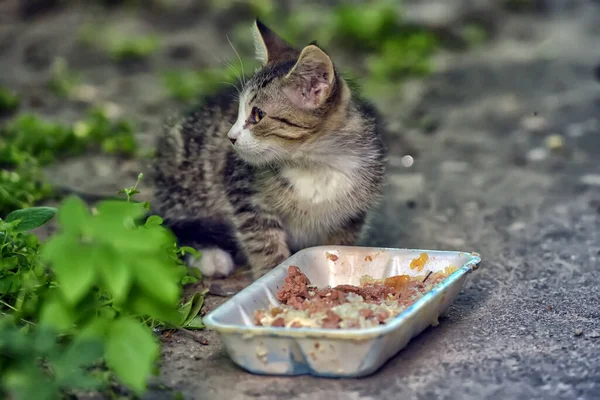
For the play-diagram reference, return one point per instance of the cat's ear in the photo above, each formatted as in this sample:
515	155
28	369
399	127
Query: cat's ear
269	47
309	83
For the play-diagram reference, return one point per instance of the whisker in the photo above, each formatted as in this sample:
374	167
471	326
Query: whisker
231	84
232	69
239	58
235	72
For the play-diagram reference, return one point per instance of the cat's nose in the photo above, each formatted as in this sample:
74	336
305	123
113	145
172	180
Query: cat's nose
232	140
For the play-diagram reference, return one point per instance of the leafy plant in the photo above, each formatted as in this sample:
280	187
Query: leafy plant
391	50
474	34
119	46
188	85
403	57
22	186
124	48
365	28
65	366
22	275
28	136
63	81
92	293
9	102
28	143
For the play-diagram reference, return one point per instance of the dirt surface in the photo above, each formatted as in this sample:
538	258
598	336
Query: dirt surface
486	176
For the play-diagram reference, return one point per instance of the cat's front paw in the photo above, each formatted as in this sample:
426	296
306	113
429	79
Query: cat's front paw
260	265
213	263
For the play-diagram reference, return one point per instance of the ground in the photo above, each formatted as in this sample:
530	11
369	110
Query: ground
489	175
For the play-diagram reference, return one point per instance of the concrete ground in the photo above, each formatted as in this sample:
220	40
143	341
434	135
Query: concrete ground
506	146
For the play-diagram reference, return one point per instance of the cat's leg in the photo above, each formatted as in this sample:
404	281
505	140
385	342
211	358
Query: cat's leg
262	238
348	234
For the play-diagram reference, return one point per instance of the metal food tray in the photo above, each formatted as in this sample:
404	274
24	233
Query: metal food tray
335	353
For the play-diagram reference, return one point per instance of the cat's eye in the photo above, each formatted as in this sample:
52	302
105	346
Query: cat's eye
256	115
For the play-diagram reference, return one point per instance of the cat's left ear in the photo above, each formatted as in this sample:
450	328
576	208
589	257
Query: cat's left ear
269	46
311	80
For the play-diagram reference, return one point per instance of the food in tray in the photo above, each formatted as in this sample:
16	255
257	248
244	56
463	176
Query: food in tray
374	302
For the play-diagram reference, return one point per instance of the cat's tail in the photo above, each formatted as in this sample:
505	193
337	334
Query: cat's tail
203	233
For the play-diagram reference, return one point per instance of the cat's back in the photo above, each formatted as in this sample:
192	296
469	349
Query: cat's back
191	151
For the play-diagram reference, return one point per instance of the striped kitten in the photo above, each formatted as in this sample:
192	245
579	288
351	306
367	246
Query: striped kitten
298	161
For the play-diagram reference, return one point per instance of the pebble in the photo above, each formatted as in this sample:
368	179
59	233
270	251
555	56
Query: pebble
590	179
407	185
577	332
407	161
534	123
555	142
454	166
112	110
510	104
575	130
517	226
86	93
537	154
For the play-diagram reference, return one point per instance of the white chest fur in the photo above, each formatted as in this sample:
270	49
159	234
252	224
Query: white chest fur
322	198
319	186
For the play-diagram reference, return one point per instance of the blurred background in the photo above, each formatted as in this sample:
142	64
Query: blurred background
484	100
86	86
492	110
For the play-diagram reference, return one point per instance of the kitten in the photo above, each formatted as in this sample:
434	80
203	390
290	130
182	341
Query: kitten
297	161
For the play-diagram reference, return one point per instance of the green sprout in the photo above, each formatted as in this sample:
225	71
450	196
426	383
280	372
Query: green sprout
9	101
63	81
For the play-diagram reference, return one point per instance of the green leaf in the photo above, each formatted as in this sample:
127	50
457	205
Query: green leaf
31	218
153	220
57	315
73	213
95	329
70	260
44	341
10	284
188	250
28	382
195	323
158	279
119	210
69	366
115	274
191	308
131	351
9	262
142	304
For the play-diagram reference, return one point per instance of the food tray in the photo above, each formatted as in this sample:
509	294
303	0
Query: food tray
335	352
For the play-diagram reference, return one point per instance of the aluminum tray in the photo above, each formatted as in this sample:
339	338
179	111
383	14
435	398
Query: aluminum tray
334	352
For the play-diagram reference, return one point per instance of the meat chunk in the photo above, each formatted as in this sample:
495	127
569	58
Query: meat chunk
295	287
332	320
374	300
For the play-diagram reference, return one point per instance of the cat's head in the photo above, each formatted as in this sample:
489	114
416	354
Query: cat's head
293	99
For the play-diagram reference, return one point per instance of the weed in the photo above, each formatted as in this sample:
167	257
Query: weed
63	81
415	48
188	85
365	29
22	187
28	143
122	48
387	49
474	34
9	102
119	46
88	296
